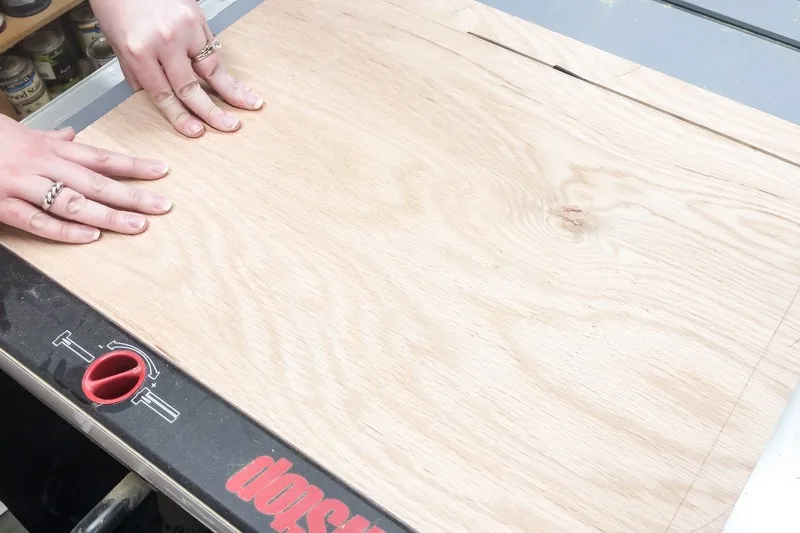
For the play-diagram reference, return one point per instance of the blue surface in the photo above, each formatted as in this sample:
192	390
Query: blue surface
778	19
735	64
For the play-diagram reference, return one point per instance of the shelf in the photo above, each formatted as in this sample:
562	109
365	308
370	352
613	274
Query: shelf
19	28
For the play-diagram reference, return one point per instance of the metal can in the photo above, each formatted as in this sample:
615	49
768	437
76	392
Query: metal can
23	8
100	52
22	84
55	61
85	25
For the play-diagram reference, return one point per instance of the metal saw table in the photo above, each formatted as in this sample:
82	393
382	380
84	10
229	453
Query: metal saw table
746	54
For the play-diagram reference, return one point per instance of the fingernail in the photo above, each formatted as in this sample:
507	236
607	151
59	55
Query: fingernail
194	127
162	203
75	204
159	168
254	101
90	233
136	221
230	121
39	221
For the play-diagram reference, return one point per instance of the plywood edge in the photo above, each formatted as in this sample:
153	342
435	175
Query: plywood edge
749	126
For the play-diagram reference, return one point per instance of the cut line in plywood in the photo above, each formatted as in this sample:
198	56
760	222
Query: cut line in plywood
677	116
747	431
750	126
723	476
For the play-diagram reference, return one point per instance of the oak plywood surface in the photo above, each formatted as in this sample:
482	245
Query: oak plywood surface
488	295
746	124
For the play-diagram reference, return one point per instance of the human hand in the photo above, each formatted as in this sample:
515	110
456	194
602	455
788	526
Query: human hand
32	161
155	41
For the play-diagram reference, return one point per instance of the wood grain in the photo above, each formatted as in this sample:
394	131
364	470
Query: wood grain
749	125
492	297
742	439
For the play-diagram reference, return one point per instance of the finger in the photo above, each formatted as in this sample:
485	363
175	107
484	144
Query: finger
111	163
65	134
128	73
22	215
233	91
207	30
225	85
71	205
100	188
155	82
178	68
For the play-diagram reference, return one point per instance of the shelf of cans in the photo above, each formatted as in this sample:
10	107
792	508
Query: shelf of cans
23	8
52	59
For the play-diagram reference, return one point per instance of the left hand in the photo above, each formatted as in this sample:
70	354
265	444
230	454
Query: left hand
90	200
155	41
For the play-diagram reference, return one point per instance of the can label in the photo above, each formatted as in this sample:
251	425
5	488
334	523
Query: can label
57	65
88	32
45	69
26	93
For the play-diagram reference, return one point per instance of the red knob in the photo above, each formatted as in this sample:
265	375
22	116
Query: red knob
114	377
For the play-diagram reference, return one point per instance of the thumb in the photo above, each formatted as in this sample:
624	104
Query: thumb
65	134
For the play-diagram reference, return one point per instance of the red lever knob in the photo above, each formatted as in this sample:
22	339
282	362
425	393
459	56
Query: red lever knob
114	377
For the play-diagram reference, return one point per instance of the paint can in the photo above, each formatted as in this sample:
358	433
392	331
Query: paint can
21	83
85	25
100	52
23	8
54	59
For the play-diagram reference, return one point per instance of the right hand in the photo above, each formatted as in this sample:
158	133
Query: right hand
32	161
155	41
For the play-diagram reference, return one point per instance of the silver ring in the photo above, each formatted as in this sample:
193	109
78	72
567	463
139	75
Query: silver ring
209	49
50	197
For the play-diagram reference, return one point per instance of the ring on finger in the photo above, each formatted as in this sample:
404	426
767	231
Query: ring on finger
209	49
50	196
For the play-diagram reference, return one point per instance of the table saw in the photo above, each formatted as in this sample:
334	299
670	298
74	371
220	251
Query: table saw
531	364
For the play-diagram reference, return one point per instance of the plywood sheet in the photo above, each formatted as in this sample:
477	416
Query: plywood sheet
695	104
725	470
488	295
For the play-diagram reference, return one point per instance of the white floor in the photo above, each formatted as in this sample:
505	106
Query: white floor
8	524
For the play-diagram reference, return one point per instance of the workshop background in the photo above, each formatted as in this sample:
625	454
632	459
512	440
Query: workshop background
743	50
